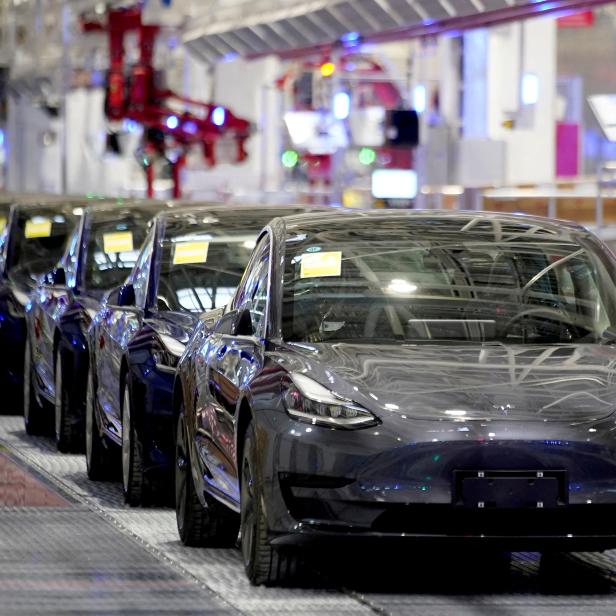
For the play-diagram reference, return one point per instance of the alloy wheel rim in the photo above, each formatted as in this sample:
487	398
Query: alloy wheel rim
58	396
89	421
181	472
27	385
248	515
126	445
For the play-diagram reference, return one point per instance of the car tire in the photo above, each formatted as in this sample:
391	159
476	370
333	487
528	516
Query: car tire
35	421
99	461
263	563
134	483
198	526
67	434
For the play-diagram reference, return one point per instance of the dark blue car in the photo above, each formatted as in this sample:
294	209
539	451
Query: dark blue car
100	253
191	262
32	242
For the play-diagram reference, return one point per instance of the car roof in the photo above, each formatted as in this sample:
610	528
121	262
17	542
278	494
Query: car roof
110	211
312	220
233	210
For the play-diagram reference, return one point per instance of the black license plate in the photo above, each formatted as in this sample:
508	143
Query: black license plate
510	489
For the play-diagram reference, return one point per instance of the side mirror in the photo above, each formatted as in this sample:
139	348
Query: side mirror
236	323
111	297
58	277
243	323
126	295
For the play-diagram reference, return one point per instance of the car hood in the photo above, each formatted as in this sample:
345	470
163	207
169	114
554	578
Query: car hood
176	325
570	383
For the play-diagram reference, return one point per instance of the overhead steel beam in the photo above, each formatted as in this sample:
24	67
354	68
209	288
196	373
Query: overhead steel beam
430	27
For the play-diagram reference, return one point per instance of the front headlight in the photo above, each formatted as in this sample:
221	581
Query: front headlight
308	401
168	352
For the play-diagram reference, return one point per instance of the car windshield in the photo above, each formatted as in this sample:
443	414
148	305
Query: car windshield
38	237
204	256
113	247
455	280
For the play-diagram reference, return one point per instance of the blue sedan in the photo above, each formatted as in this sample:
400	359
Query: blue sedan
100	253
32	242
191	262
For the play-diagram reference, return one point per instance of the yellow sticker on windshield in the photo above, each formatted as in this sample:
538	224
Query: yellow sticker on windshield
190	252
38	227
120	241
2	223
318	264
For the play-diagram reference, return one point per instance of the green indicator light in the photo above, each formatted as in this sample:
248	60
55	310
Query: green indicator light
367	156
290	158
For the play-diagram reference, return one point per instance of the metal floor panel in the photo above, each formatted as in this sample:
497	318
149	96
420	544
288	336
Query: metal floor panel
63	560
396	582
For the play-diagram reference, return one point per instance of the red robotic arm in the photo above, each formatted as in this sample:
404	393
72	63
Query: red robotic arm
134	95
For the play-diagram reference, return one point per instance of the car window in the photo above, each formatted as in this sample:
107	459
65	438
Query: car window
253	291
203	257
112	250
141	273
437	280
38	241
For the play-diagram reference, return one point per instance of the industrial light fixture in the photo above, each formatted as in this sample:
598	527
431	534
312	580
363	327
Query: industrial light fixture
530	89
219	116
419	98
172	122
328	69
289	159
342	105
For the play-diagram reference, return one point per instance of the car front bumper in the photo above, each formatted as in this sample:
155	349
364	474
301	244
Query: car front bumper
400	484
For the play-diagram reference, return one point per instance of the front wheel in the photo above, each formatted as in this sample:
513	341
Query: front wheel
99	461
133	479
263	563
67	435
198	525
34	412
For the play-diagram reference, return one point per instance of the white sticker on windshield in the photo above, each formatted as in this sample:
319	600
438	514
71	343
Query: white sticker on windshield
320	264
120	241
190	252
38	227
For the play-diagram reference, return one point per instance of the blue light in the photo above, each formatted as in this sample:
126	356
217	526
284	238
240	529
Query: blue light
130	126
219	115
350	38
342	105
1	138
419	98
190	127
172	122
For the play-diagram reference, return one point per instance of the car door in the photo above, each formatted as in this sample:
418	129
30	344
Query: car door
229	360
51	301
118	326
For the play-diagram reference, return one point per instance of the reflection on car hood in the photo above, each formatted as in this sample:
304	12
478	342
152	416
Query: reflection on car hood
175	324
571	383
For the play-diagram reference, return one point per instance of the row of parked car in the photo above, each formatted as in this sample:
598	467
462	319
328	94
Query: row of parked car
302	374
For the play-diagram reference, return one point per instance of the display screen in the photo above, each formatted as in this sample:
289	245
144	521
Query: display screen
604	108
394	184
316	132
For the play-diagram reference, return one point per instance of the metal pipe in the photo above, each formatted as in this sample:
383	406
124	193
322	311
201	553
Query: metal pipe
552	206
